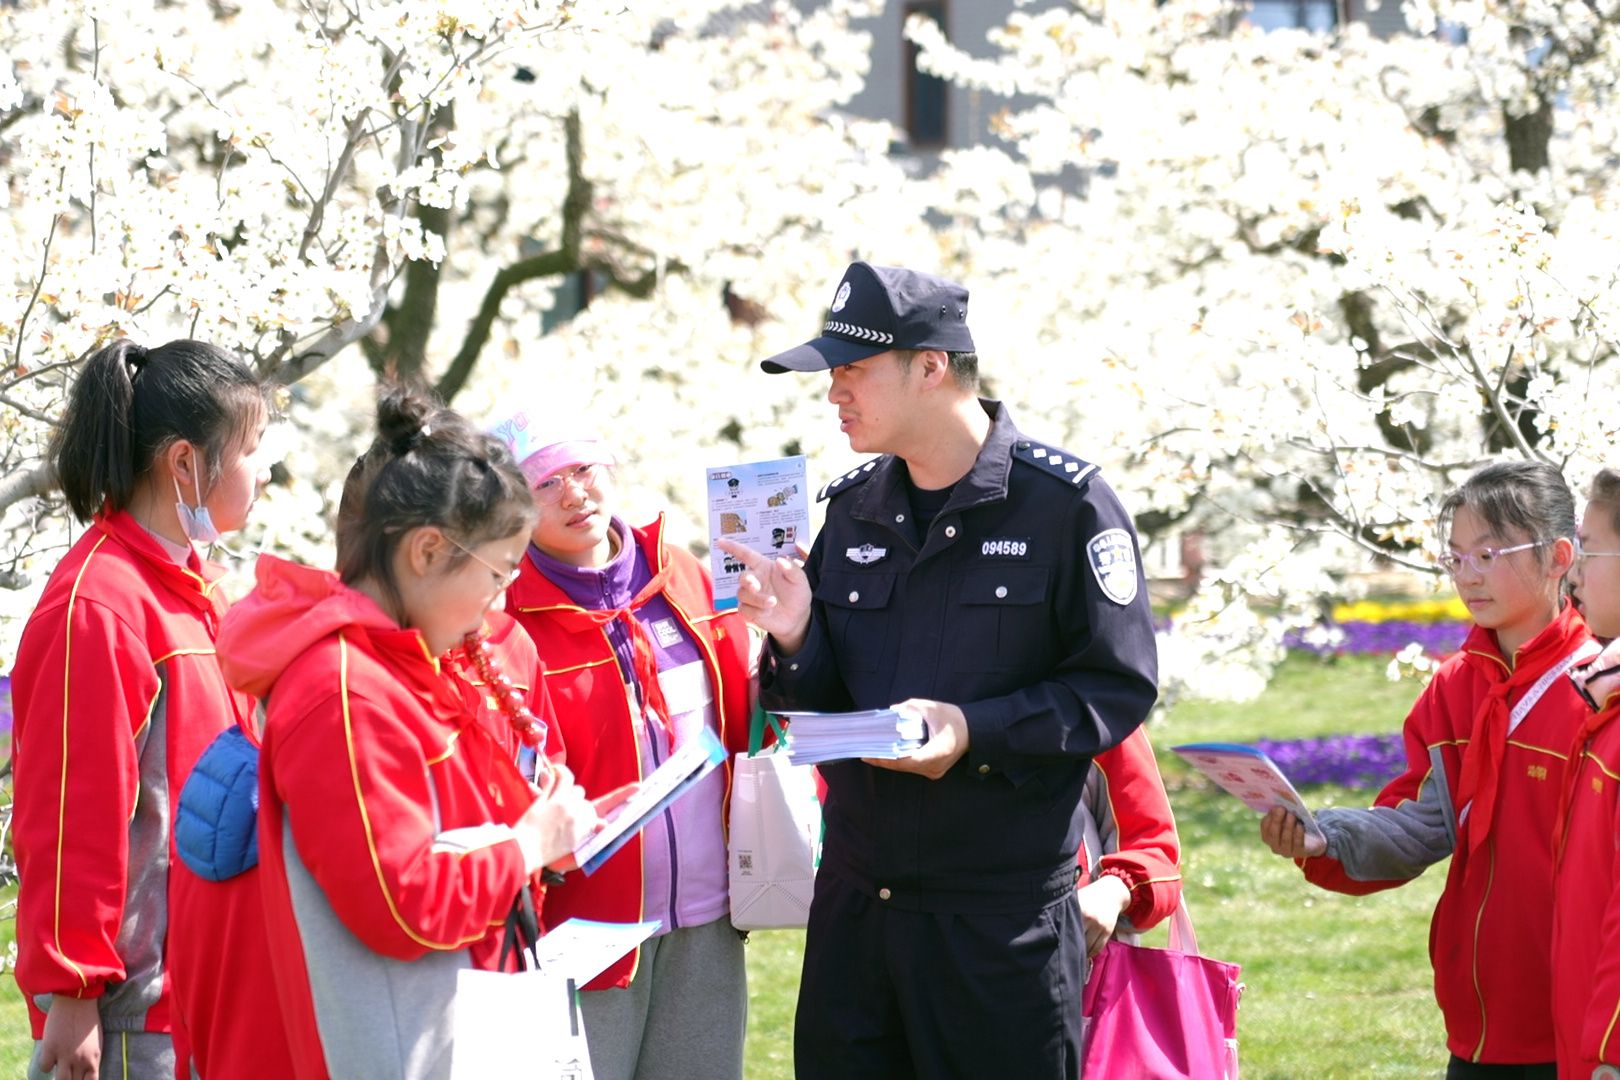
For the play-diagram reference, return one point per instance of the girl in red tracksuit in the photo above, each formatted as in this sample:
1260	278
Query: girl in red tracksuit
395	831
1487	747
1586	910
638	660
121	951
1130	858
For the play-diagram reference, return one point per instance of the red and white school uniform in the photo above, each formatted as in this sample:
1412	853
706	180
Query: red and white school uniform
1586	906
116	693
386	804
1491	939
1131	830
597	722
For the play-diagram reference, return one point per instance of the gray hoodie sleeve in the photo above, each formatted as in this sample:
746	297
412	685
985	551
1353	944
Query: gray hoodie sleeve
1395	843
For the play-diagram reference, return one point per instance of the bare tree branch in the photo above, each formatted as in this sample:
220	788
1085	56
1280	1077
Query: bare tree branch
561	260
40	480
39	283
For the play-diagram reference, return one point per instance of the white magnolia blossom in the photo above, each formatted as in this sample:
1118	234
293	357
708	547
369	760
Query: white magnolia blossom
1295	279
262	174
1286	289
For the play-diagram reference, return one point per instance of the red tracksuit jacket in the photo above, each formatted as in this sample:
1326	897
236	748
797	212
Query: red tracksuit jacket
1136	831
1491	938
1586	912
385	817
117	692
595	733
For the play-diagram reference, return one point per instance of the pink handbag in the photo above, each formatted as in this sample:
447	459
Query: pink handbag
1161	1014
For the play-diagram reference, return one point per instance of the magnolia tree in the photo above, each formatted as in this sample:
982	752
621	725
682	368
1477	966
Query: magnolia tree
342	189
1292	288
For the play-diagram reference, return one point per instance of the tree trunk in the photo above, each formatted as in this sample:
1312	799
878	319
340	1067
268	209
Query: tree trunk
1529	137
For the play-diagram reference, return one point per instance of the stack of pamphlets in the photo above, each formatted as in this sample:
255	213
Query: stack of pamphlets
814	737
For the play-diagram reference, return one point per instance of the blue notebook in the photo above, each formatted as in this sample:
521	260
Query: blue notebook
691	762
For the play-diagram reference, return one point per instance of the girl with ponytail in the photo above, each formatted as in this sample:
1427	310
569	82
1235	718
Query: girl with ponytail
1487	746
117	691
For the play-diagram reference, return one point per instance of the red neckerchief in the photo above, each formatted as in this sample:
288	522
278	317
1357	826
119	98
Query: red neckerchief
1487	741
1593	723
641	648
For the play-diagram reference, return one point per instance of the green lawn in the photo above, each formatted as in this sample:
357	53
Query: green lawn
15	1044
1336	986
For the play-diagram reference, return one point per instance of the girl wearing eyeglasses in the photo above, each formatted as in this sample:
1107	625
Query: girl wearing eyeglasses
637	660
1487	746
1586	911
396	834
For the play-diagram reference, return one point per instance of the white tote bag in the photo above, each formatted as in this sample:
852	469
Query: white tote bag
775	843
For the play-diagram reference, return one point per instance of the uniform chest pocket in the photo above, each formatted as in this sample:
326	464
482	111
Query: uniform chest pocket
1004	611
856	606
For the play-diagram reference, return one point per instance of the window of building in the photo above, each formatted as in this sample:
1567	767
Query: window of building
925	94
1315	15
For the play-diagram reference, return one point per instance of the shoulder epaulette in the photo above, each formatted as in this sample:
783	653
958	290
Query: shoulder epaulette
1060	463
847	480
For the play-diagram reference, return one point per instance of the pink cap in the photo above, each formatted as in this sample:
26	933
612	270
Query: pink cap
563	455
539	457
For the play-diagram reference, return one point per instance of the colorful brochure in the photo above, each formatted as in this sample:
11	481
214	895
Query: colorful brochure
1250	775
764	505
690	762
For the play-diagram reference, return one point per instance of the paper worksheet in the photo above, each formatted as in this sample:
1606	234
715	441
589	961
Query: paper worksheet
762	504
1250	775
581	949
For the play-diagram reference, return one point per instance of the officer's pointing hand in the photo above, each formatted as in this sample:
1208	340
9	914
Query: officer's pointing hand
947	739
773	594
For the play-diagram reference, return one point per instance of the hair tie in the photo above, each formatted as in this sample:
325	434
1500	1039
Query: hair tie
406	443
135	359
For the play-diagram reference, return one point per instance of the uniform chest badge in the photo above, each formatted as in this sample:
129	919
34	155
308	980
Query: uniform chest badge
866	554
1113	561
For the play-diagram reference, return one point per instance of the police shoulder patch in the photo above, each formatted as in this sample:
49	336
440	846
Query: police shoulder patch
1113	562
1059	463
844	482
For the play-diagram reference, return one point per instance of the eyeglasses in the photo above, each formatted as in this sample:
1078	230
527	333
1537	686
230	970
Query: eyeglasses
503	578
549	491
1481	560
1582	554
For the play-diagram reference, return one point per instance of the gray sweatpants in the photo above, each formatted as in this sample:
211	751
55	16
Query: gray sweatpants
125	1055
683	1015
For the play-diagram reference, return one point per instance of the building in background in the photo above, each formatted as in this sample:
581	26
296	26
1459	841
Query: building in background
931	115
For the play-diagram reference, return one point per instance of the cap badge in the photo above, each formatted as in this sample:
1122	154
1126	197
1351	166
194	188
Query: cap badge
865	555
842	298
1113	561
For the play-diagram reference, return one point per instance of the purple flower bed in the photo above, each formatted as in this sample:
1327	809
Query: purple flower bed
1355	761
1378	638
5	717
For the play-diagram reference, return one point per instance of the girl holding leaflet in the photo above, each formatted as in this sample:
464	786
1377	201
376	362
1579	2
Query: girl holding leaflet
1486	749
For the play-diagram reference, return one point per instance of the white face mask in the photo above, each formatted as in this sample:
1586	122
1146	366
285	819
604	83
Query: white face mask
198	524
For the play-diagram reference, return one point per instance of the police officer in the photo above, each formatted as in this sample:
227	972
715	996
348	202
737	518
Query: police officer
990	584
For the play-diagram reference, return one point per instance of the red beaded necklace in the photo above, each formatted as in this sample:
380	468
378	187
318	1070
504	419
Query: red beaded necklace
509	697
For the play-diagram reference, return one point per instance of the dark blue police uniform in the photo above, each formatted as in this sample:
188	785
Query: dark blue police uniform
944	940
